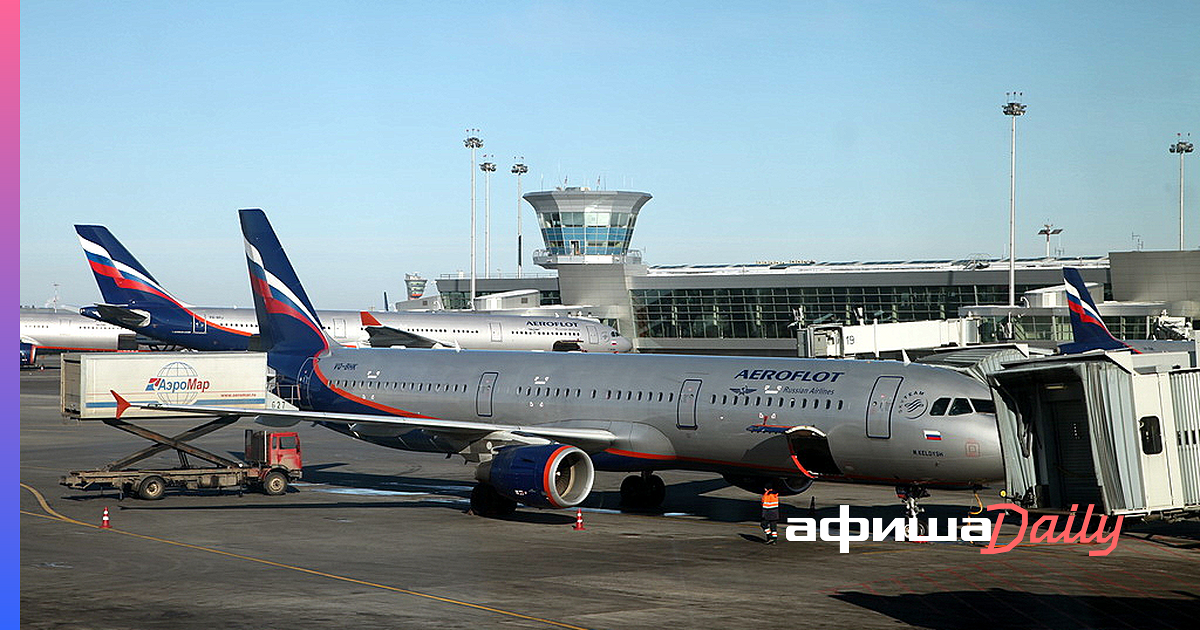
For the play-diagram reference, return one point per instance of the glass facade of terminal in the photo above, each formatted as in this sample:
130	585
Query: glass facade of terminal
745	313
594	232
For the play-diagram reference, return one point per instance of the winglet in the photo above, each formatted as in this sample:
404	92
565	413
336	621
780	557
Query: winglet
369	319
122	404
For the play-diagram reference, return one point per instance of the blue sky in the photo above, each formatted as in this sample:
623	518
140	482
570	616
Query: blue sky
778	131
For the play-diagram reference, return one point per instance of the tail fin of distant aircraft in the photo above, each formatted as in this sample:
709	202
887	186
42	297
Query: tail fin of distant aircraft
122	279
287	321
1089	330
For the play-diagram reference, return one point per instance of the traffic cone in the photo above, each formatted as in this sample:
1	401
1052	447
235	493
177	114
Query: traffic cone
104	521
578	520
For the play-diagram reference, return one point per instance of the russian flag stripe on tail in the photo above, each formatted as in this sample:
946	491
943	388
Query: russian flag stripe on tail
287	321
121	278
1086	325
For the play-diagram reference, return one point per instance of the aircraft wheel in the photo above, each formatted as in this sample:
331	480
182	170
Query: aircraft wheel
656	491
485	501
152	488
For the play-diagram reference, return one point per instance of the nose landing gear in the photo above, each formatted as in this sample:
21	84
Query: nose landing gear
909	495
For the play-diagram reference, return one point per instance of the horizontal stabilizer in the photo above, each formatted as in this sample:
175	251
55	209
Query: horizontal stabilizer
386	337
118	315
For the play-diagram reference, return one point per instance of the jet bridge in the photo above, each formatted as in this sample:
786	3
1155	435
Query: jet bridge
1111	429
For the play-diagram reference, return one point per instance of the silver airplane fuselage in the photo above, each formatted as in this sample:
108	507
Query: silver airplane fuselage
757	416
57	330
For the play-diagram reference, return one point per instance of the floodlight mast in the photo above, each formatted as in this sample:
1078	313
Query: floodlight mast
1012	108
473	143
519	169
1181	147
1049	230
488	167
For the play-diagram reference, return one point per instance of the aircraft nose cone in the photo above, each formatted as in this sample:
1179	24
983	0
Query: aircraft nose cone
621	344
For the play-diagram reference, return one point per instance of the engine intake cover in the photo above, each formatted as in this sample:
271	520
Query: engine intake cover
546	476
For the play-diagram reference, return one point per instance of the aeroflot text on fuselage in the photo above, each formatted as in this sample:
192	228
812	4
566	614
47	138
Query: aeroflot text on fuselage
789	375
551	323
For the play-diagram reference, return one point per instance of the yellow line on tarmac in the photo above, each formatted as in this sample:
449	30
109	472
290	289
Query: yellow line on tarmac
56	516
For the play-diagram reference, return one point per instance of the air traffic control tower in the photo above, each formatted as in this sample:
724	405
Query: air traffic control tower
586	234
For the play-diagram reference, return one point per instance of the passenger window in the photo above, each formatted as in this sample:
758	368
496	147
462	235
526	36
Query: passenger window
939	407
1151	434
960	407
983	405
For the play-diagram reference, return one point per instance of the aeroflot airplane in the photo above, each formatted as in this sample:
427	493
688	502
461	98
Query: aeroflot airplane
46	330
1090	332
539	424
135	300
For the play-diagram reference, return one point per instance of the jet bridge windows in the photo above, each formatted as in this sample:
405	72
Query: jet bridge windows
1151	434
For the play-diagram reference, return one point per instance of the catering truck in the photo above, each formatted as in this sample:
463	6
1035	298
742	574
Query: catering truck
99	387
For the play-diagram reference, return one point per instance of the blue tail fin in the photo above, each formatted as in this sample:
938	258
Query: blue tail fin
122	279
287	321
1089	330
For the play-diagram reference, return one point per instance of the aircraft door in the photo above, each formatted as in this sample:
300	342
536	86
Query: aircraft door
593	335
199	326
339	328
686	409
483	396
879	407
497	332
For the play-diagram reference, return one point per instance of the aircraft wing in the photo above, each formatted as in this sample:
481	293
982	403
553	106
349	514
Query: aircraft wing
381	336
590	440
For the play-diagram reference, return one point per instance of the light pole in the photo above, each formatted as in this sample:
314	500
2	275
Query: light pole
1012	109
519	169
1049	230
488	167
1181	147
472	142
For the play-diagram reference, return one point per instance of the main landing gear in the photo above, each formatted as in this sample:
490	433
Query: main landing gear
909	495
485	501
643	492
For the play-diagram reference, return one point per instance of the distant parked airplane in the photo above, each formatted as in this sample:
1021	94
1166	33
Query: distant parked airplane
1090	332
48	330
135	300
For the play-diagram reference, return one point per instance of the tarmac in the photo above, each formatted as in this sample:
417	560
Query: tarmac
379	538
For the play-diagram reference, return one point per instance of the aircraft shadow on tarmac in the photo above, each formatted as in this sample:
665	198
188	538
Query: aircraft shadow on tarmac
1005	609
685	498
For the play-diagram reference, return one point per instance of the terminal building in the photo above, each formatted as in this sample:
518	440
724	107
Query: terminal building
754	308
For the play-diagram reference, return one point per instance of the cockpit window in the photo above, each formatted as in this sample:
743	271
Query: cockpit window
983	405
939	407
960	406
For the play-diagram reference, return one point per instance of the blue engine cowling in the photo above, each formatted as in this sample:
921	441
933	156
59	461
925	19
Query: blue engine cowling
546	476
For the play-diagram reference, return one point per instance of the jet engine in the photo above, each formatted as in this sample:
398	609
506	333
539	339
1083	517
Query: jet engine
785	486
546	476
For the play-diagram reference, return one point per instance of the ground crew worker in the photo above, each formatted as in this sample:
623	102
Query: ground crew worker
770	513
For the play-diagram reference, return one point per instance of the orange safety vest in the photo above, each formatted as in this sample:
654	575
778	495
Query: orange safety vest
770	500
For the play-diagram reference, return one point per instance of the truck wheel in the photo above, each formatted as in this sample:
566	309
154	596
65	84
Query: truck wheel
275	483
152	488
